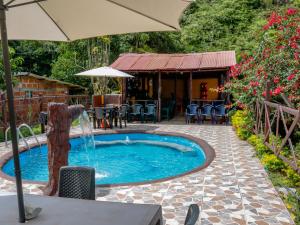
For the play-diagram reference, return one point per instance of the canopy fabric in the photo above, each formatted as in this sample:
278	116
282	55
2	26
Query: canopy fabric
65	20
104	72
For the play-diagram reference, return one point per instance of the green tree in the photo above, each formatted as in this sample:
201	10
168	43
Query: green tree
37	55
15	62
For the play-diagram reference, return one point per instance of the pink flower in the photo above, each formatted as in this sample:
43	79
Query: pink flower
291	77
291	11
278	90
265	93
276	80
254	83
294	45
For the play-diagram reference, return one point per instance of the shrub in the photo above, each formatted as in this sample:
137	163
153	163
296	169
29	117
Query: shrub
293	177
259	145
276	59
272	163
242	122
252	139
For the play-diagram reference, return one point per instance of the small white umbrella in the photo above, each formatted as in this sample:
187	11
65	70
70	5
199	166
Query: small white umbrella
105	72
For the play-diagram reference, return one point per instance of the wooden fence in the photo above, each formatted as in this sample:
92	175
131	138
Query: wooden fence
277	123
28	109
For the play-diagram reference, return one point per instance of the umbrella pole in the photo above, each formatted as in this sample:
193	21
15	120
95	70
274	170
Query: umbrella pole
12	116
104	89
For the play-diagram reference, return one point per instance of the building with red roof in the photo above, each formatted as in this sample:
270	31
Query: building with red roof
192	77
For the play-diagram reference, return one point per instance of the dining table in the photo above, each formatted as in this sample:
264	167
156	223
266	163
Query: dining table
110	110
67	211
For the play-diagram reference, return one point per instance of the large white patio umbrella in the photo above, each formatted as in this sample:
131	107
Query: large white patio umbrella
105	72
67	20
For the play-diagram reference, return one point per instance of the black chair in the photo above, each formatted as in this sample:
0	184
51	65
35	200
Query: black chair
168	111
123	114
192	215
137	112
150	112
102	116
77	182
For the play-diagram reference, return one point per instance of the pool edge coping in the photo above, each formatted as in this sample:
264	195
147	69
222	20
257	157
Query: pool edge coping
207	149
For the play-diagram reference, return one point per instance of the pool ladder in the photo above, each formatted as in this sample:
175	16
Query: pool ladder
20	135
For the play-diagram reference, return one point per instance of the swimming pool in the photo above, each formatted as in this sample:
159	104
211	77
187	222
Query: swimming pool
120	158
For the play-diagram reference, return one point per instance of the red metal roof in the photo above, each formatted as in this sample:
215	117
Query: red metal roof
174	62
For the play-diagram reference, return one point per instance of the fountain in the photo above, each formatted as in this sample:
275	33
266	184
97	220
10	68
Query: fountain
60	117
87	131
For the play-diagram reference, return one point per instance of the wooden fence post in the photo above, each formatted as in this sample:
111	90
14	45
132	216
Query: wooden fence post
267	111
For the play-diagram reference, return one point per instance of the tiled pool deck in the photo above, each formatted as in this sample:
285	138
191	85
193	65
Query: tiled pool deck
234	189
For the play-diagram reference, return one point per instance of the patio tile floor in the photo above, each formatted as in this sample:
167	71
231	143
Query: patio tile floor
234	189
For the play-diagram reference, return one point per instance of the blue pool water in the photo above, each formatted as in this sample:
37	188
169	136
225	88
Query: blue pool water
120	158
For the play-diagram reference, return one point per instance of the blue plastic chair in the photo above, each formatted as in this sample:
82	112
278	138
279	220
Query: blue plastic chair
205	112
137	112
192	111
150	112
216	103
219	112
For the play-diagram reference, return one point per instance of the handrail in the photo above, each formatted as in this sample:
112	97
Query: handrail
30	130
271	115
19	134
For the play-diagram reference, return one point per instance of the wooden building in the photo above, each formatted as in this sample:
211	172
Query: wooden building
186	77
30	85
32	93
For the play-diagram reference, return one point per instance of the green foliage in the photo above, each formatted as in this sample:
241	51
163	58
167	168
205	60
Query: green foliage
293	177
75	123
15	63
223	25
36	130
272	163
37	55
242	122
260	147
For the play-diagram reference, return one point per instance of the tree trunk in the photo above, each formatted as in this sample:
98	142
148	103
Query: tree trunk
60	117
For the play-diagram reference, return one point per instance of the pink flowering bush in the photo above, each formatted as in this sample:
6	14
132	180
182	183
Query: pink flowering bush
276	60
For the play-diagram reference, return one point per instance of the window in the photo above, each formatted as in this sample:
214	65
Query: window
28	94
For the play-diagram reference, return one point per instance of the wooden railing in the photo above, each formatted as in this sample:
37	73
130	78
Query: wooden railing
277	123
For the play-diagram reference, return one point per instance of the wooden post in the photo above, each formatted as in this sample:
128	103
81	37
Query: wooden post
191	87
60	117
175	86
124	89
267	111
159	96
